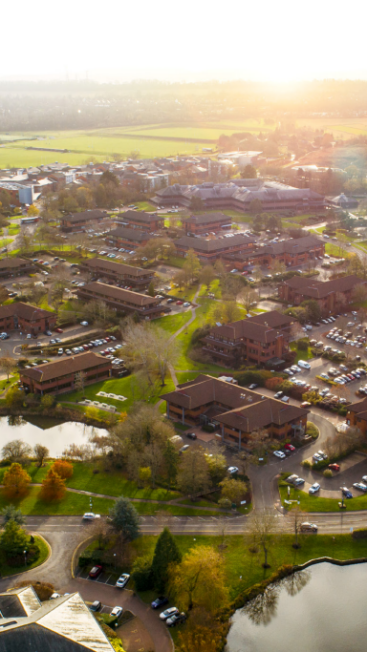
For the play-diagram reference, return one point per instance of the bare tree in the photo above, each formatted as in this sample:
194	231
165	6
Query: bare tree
263	525
41	452
79	382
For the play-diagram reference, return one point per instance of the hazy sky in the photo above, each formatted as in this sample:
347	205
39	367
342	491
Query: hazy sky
281	40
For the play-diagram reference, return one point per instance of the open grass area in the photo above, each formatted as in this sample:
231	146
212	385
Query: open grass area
172	323
301	355
317	503
244	568
128	387
146	206
112	483
337	250
7	570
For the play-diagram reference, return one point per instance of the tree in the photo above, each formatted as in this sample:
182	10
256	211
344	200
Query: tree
248	297
53	487
207	275
79	381
16	451
145	474
193	475
296	517
202	633
263	524
141	573
234	490
217	464
40	452
16	481
63	468
192	265
151	290
170	457
125	519
249	172
11	513
14	540
47	401
32	211
7	365
199	581
147	348
166	554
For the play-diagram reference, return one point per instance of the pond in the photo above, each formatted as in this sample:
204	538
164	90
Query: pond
54	434
316	610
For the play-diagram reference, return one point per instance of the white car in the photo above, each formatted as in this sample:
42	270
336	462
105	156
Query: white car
116	612
168	613
232	470
279	454
84	323
89	516
314	488
317	458
122	580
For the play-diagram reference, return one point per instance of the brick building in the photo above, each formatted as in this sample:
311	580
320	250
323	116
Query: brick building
210	222
123	300
357	415
237	411
258	340
211	250
292	252
123	237
79	221
136	277
331	295
15	267
59	376
141	220
26	318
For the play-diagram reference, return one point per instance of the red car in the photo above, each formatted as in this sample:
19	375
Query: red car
95	572
289	447
58	330
108	339
85	347
179	303
334	467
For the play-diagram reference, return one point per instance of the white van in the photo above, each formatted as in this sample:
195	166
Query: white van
303	364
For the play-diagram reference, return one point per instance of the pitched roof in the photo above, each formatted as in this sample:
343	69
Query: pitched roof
24	311
119	268
360	408
200	244
65	366
208	218
139	216
5	263
319	289
293	246
62	625
246	410
262	328
112	292
129	234
85	215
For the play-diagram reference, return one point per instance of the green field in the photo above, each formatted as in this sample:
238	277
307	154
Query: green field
317	503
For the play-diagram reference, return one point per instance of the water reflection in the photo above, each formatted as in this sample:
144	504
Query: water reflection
317	610
56	435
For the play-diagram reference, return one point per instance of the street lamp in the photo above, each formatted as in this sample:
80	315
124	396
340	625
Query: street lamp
25	557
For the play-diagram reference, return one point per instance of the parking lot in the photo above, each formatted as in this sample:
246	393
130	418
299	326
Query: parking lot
103	578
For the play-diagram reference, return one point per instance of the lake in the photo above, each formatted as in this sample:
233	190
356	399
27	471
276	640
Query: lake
317	610
49	432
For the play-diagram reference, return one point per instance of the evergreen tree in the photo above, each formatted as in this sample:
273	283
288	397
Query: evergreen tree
13	539
125	518
166	553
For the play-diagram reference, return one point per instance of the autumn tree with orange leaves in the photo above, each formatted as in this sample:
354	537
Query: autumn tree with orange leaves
53	487
16	481
63	468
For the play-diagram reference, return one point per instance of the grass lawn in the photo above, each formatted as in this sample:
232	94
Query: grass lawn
146	206
127	387
173	323
112	483
241	563
186	293
176	261
318	503
336	250
7	570
301	355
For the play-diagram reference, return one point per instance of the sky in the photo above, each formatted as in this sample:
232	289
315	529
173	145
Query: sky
122	40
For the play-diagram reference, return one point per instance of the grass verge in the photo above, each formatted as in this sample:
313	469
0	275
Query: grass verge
7	570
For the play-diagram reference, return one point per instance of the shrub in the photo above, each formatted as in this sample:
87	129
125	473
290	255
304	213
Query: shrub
89	557
328	473
273	383
360	533
44	590
312	430
142	574
307	464
302	345
224	503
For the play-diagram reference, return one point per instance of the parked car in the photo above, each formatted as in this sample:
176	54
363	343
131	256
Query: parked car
122	580
232	470
116	612
279	454
290	447
159	602
84	323
253	386
191	435
314	488
360	486
346	493
95	572
308	527
95	606
184	448
335	467
59	330
278	394
168	613
176	619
